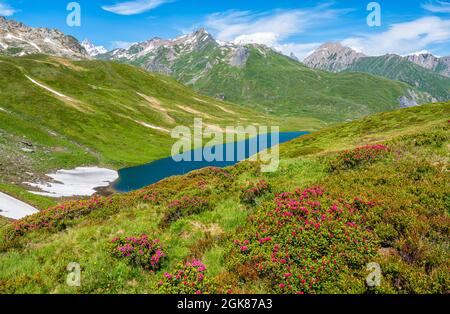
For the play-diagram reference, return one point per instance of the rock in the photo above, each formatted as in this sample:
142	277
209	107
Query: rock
406	103
431	62
220	97
239	57
27	150
27	143
332	57
17	39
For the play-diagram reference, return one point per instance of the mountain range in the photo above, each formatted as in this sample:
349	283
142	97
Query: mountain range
252	75
424	71
257	76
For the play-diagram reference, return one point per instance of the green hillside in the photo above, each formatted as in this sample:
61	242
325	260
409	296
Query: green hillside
282	86
259	77
372	190
56	113
397	68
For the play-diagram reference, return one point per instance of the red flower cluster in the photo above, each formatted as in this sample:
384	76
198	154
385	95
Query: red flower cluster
152	197
303	239
138	251
187	279
58	216
350	159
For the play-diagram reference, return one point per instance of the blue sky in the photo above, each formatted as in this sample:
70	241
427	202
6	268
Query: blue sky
297	26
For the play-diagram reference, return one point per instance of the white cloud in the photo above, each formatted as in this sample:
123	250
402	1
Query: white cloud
403	38
121	44
6	10
437	7
273	29
265	38
301	51
134	7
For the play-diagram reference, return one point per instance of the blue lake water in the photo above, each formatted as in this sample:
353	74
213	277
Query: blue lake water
134	178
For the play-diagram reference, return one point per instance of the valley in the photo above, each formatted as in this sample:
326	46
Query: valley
259	77
156	166
117	116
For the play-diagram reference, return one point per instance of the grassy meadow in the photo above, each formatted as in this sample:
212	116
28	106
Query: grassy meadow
372	190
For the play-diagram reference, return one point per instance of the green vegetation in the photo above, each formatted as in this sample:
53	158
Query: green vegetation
99	113
285	87
305	228
397	68
279	85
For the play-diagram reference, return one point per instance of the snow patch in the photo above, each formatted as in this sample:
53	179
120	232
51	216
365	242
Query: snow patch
48	88
150	126
80	181
13	208
11	36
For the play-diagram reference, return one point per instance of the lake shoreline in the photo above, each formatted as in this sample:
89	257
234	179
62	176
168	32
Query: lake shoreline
137	177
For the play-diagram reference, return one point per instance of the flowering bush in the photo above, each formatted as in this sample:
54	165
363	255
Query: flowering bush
152	198
183	207
187	279
250	195
350	159
56	218
302	240
138	251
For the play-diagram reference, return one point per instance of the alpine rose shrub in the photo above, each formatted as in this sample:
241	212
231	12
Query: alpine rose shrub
250	195
183	207
350	159
139	251
187	279
304	240
55	218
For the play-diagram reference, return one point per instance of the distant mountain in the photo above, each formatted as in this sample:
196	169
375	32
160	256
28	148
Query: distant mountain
420	71
91	49
187	55
259	77
332	57
17	39
398	68
431	62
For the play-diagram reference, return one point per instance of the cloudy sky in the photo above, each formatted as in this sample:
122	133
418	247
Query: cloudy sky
291	26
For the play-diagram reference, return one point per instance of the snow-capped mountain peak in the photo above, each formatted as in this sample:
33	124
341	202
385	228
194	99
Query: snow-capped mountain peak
91	49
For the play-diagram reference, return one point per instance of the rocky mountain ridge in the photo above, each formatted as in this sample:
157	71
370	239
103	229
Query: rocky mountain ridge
17	39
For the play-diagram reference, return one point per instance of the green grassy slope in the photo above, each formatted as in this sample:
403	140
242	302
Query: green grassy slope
275	83
280	85
98	116
397	68
405	230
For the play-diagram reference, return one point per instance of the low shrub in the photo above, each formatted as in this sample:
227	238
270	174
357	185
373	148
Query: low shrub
351	159
302	240
184	207
139	251
249	195
188	278
55	218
